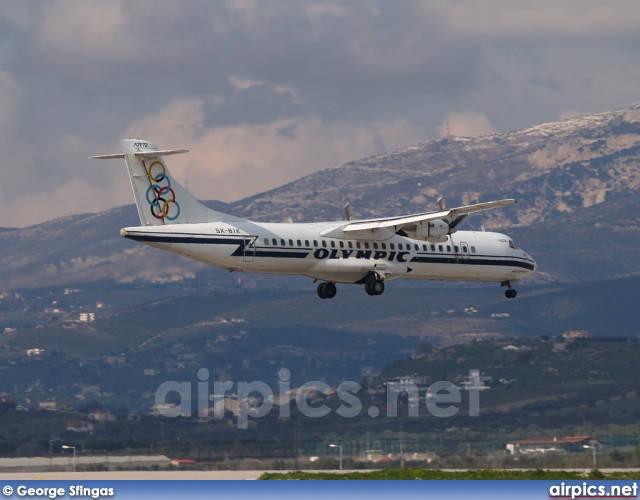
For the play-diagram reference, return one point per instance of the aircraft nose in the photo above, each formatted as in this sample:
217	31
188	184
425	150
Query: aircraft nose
528	257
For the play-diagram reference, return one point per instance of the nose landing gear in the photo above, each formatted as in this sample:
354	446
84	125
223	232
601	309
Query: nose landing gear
510	293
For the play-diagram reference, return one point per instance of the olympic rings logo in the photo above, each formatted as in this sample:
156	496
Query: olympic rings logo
160	195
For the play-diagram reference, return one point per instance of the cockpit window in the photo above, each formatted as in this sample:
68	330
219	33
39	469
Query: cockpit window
513	245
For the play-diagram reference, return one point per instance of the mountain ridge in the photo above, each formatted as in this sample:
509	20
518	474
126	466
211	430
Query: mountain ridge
576	181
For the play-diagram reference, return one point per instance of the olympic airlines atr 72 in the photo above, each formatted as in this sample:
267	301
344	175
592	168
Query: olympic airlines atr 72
370	252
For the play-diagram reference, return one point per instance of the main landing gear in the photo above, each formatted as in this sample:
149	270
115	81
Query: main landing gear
327	290
510	293
374	285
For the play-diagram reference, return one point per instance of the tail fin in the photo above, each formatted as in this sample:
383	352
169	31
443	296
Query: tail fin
159	198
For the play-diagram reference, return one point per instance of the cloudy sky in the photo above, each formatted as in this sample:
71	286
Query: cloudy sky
264	92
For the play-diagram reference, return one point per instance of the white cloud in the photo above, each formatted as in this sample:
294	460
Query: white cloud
90	185
75	196
15	157
322	10
10	96
232	162
240	84
264	92
537	20
75	29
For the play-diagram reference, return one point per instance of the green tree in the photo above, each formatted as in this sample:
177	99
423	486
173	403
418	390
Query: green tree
616	456
424	348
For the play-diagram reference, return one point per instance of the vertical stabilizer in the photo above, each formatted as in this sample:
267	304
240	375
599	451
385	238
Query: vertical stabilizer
159	198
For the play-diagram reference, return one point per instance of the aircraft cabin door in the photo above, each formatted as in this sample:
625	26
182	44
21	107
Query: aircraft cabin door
465	250
249	249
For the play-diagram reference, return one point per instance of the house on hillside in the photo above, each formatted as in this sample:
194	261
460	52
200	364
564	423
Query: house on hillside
228	403
407	382
79	426
102	416
54	406
566	444
183	462
576	335
7	404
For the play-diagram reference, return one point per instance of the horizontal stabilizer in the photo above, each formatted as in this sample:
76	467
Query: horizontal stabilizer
142	154
155	154
107	157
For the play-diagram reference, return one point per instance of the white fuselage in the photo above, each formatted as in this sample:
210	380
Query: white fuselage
306	249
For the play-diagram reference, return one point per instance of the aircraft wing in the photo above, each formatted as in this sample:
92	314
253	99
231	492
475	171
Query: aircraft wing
410	222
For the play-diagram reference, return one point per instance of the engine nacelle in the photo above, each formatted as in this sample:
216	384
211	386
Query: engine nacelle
435	230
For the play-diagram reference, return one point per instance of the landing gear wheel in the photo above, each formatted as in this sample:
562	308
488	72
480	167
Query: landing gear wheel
327	290
510	294
330	290
374	287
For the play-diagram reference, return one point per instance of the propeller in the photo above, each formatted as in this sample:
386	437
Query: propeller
456	221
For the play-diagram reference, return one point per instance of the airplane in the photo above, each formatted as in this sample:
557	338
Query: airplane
425	246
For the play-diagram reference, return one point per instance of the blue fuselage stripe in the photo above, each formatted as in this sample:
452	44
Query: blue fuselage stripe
472	261
289	253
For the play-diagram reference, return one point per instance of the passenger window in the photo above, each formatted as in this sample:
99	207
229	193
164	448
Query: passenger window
392	246
440	248
456	249
366	244
290	243
399	246
473	249
306	243
449	248
324	243
425	248
417	247
350	244
266	241
358	245
433	248
333	244
375	245
384	246
282	242
341	244
274	241
299	243
315	243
